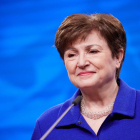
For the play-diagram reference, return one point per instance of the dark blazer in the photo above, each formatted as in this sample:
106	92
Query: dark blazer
122	124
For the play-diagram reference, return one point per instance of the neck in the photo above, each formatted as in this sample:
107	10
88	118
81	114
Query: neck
96	99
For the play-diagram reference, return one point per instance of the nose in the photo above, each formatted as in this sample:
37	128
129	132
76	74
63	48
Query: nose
82	61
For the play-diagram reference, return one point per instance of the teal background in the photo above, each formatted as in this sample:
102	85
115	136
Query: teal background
33	77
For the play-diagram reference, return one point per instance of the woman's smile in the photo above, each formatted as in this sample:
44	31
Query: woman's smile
86	73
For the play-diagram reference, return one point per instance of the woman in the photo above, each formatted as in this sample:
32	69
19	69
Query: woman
93	49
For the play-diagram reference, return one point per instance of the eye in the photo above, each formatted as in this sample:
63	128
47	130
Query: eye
71	55
93	51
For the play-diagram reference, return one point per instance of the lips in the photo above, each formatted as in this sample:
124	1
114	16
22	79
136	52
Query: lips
85	73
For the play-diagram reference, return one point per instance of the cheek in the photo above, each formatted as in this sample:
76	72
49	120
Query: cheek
105	63
111	65
70	67
98	62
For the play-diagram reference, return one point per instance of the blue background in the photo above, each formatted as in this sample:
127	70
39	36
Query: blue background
33	78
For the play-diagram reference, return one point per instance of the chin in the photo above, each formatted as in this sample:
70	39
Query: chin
85	85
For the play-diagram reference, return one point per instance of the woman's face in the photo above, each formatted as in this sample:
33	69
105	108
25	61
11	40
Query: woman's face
89	63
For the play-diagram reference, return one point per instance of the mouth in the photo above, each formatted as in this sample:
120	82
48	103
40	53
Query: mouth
85	73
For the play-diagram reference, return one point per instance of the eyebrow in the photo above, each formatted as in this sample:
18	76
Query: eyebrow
92	45
70	48
87	47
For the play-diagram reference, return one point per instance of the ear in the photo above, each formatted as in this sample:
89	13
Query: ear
119	58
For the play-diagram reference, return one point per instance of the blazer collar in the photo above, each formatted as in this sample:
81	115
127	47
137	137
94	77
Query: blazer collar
125	100
124	104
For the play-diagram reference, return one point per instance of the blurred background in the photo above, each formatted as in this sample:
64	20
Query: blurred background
33	77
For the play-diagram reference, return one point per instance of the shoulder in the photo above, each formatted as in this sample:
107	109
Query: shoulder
50	115
45	121
53	113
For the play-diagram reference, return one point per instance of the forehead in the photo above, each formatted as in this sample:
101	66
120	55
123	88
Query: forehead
94	39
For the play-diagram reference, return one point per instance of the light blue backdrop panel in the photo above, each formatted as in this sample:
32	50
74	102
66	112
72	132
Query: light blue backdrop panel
33	78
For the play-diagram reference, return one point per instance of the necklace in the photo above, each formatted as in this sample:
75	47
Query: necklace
96	115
